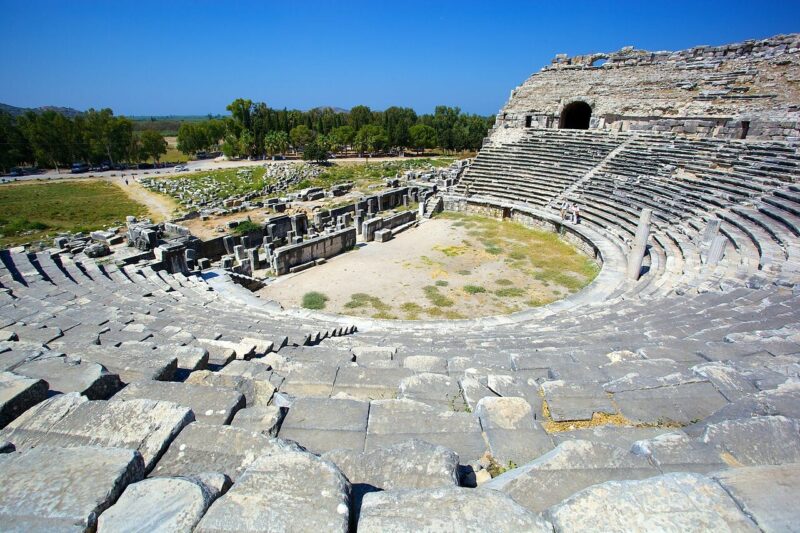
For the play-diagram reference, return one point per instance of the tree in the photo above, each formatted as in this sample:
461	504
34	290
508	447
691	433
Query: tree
422	137
342	137
107	138
370	138
359	117
316	151
14	148
153	145
301	136
50	136
276	142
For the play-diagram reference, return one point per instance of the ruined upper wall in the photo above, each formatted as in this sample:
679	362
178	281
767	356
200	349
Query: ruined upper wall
702	91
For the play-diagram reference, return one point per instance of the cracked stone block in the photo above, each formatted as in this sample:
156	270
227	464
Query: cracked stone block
681	404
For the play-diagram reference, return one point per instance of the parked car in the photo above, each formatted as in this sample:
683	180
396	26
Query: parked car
16	172
180	168
79	168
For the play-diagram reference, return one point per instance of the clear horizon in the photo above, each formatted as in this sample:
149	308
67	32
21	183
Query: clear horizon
193	58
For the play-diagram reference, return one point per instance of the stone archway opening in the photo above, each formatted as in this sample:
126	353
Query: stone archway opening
576	116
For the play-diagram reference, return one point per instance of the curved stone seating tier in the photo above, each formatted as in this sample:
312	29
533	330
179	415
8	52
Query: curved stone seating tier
168	401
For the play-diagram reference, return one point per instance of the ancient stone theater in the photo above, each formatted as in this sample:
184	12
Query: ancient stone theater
664	396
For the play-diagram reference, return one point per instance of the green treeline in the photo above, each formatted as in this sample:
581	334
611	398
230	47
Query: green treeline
49	139
52	140
255	130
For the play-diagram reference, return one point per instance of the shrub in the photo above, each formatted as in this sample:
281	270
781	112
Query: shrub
436	298
504	282
247	226
473	289
314	300
510	292
441	283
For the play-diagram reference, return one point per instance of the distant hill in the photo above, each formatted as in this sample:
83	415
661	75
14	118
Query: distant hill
16	111
325	107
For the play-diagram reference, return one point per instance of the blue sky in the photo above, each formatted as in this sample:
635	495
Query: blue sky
181	57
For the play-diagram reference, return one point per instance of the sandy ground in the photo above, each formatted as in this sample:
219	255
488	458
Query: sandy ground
396	272
161	207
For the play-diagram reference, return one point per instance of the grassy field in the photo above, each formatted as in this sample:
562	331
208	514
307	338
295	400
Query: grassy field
30	212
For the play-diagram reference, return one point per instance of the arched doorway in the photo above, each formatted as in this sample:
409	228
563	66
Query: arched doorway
575	116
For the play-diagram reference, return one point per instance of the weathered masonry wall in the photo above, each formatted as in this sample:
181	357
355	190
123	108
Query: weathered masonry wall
742	90
321	247
374	224
526	217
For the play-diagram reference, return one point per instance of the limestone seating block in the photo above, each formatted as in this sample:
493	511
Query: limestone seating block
158	505
764	440
575	401
36	481
620	436
309	380
260	419
255	391
768	494
434	389
426	363
17	394
66	374
677	452
369	383
203	448
70	420
323	424
682	403
411	464
212	405
570	467
131	364
393	421
511	431
276	493
446	509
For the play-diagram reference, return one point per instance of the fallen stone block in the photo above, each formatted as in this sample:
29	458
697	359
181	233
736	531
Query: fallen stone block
63	489
446	509
211	405
260	419
18	394
672	502
289	490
